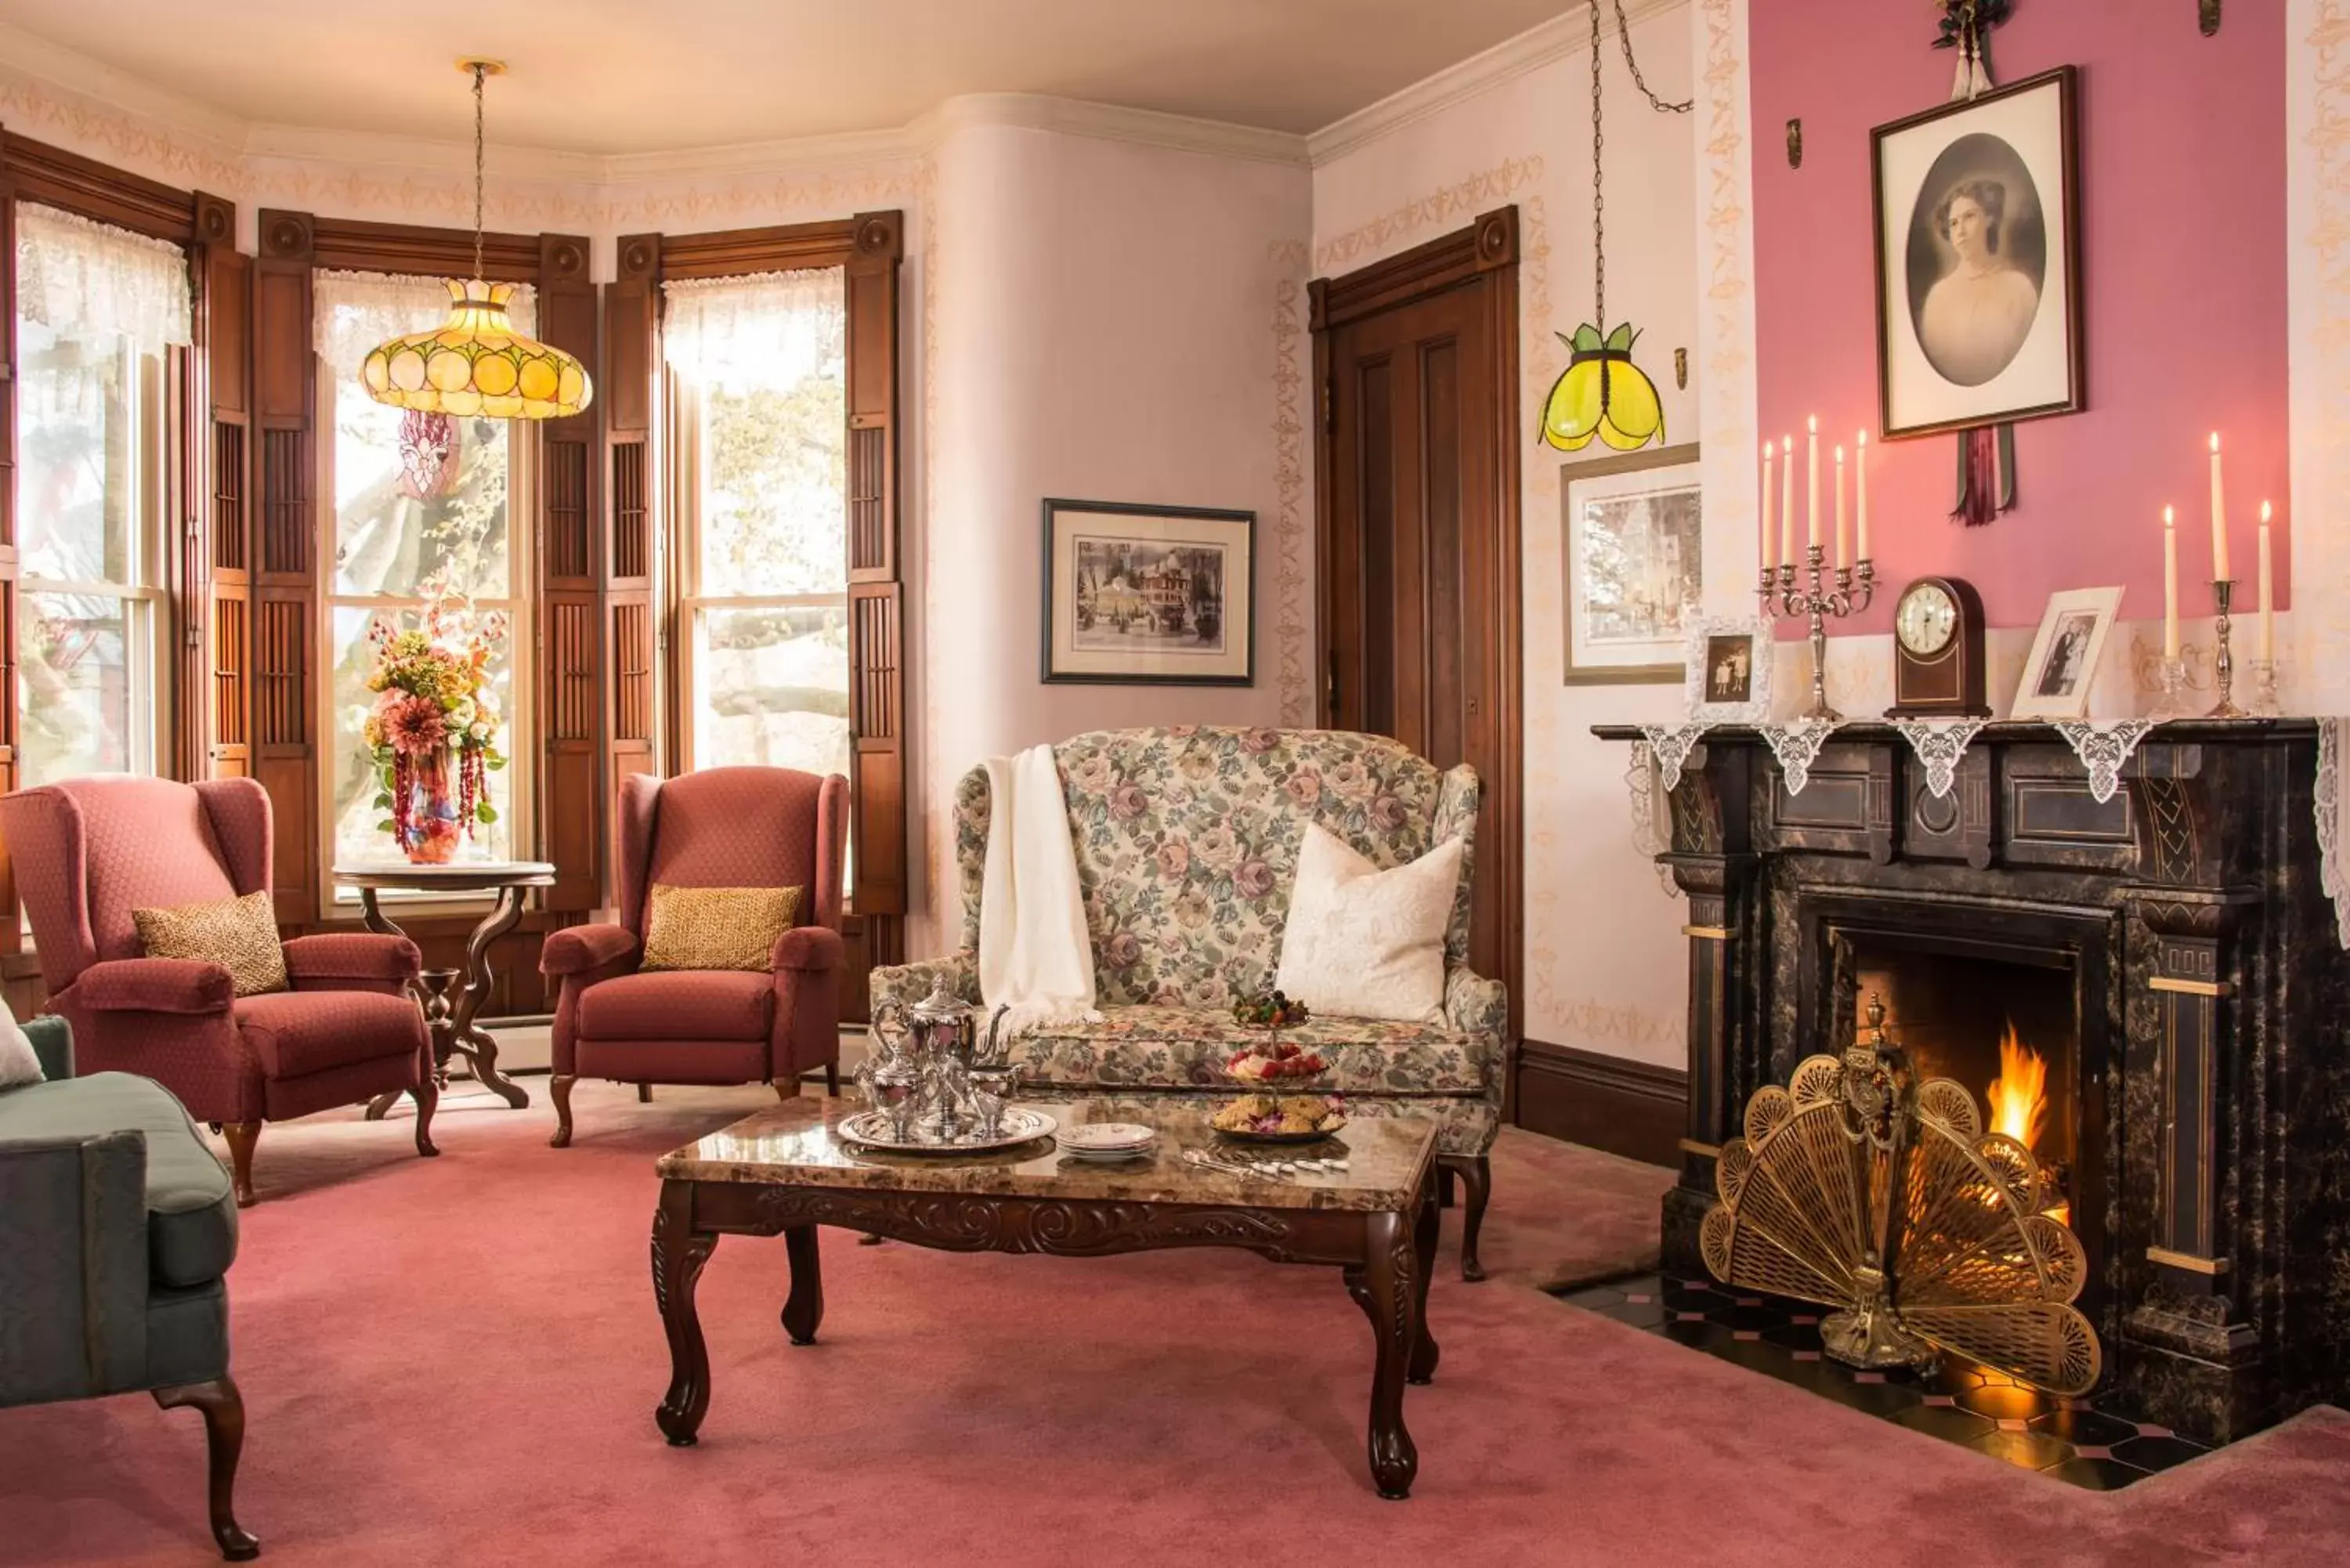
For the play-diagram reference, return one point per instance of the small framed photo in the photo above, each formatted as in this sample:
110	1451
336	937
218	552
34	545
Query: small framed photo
2063	660
1634	553
1149	595
1728	665
1978	260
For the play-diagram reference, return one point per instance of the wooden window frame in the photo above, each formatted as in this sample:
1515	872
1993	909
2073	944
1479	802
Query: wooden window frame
33	171
869	249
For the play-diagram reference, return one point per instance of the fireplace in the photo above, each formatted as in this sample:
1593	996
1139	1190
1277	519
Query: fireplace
2166	958
1992	997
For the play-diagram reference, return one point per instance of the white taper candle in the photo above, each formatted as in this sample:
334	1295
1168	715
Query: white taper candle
2268	591
1843	527
2219	573
1812	509
1860	485
1787	502
2169	583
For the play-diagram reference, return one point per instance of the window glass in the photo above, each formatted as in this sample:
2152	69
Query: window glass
87	461
765	591
421	505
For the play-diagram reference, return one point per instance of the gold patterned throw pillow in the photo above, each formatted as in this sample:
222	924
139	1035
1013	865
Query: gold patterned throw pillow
717	927
238	934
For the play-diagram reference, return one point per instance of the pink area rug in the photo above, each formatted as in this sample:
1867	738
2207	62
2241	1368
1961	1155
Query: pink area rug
456	1361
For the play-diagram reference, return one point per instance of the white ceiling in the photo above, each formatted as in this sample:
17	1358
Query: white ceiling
607	76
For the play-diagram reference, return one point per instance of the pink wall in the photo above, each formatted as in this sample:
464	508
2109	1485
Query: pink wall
2183	288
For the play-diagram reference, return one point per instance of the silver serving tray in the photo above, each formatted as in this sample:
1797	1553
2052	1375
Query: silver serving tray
870	1129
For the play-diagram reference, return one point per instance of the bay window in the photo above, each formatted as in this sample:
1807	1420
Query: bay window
759	480
99	311
425	508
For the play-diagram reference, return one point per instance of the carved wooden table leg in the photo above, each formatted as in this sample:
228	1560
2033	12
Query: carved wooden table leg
804	1308
1423	1245
381	925
679	1253
1386	1287
475	1044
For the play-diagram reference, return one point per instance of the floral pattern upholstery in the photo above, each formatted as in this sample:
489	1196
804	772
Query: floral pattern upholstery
1166	1047
1186	842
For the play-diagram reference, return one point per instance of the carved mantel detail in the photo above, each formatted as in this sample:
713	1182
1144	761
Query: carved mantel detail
2187	907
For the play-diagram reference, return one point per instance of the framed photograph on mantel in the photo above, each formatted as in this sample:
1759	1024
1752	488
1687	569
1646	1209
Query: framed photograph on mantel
2063	660
1149	595
1978	260
1634	553
1729	662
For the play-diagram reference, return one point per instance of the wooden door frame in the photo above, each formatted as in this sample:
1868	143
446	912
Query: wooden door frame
1485	250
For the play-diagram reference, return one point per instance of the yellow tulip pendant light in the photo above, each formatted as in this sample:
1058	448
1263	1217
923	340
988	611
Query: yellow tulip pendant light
476	363
1602	394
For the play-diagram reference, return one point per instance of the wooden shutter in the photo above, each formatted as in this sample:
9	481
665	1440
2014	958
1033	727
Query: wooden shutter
875	592
571	810
283	558
216	706
625	395
11	933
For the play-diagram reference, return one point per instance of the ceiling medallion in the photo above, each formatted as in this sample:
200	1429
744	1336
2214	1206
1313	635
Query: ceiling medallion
475	362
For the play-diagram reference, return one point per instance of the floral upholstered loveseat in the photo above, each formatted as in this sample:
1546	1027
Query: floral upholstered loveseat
1187	842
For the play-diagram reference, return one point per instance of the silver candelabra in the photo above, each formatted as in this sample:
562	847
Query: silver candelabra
1854	588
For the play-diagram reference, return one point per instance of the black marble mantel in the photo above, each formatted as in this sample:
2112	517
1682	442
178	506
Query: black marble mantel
2214	999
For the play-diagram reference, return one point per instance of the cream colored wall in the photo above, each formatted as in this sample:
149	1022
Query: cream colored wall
1113	322
1603	955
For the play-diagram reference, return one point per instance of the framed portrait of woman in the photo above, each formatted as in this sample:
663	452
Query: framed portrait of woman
1978	260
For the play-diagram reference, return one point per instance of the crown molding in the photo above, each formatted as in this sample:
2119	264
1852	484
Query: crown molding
1109	122
250	144
1563	34
59	67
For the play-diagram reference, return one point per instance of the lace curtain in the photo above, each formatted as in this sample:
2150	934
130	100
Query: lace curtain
769	329
351	312
80	277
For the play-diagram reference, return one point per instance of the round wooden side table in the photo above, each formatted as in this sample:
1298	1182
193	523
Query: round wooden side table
451	998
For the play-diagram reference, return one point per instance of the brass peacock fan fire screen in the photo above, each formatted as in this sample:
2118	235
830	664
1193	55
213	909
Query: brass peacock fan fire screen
1860	1188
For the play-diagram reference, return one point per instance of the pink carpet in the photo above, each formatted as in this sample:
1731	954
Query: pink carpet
456	1361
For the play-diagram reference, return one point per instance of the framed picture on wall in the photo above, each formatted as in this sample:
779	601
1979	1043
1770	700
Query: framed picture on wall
2063	664
1728	665
1978	260
1634	554
1156	596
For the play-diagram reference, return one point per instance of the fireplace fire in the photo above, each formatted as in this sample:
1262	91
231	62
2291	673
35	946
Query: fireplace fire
2018	1101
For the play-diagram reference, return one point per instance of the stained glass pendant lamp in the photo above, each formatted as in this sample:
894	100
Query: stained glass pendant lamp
1602	393
475	362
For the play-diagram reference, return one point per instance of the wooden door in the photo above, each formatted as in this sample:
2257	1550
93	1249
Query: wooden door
1417	458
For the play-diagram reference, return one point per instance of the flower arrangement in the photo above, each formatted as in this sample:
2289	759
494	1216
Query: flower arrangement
434	699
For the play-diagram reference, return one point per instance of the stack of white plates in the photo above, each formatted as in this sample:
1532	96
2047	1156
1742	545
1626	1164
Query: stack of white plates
1106	1140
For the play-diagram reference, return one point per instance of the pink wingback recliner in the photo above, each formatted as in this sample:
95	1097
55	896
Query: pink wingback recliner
89	851
722	827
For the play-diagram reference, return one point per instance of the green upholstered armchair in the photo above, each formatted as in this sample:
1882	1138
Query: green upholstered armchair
117	1229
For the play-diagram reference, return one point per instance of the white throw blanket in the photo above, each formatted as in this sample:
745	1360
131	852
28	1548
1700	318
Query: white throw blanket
1033	954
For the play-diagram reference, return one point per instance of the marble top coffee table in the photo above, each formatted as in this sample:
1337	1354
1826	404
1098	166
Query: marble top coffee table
785	1171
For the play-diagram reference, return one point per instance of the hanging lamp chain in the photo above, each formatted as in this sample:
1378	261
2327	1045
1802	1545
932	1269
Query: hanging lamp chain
481	70
1662	106
1598	198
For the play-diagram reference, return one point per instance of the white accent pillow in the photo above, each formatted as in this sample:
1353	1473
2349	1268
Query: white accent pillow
1367	943
19	1064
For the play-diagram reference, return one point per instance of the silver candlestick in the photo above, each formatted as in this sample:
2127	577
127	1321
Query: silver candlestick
2223	662
1852	593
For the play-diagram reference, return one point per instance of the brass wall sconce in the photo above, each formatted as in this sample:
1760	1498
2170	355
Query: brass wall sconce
1794	144
2209	15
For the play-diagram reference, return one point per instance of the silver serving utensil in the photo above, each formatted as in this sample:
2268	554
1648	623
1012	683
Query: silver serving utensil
1229	1167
